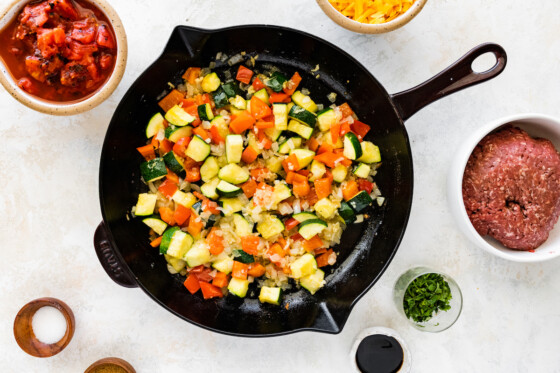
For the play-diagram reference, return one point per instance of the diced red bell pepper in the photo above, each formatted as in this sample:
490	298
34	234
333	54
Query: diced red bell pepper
210	291
258	84
244	74
191	283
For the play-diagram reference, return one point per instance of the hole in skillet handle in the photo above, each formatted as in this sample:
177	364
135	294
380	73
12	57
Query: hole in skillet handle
109	259
456	77
484	63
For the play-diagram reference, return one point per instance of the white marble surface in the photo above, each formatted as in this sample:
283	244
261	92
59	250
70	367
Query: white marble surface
50	209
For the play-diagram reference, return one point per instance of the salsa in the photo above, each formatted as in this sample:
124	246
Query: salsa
59	50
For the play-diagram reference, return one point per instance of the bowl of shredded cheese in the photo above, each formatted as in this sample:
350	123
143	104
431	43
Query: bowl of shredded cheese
371	16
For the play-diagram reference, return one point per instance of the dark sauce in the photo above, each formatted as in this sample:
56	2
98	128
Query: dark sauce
379	354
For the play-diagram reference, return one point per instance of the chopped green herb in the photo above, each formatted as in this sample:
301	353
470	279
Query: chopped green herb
426	295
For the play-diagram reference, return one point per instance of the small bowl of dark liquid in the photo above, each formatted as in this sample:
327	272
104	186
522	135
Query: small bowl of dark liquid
381	350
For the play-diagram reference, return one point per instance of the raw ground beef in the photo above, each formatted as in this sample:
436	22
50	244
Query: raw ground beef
511	188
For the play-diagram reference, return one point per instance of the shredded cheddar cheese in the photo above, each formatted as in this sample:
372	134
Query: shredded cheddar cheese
372	11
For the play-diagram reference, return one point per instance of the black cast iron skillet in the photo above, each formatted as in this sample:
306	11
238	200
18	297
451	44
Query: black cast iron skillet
366	249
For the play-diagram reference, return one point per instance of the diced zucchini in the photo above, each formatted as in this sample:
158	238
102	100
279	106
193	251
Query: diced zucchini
198	254
304	116
290	105
236	111
198	149
317	169
242	226
146	204
238	287
209	169
276	81
281	192
153	170
325	208
155	223
181	242
339	173
304	266
242	257
166	239
262	95
224	265
177	264
274	164
231	89
270	295
173	162
303	156
205	112
197	207
175	133
301	129
326	119
304	101
210	82
370	153
231	205
238	102
346	213
220	123
313	282
253	142
209	188
303	216
311	227
184	199
234	174
362	170
287	146
352	147
234	148
178	116
280	112
360	201
270	226
226	189
273	133
154	125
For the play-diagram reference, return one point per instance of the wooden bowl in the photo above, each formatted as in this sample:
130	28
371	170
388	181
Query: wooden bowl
72	107
23	330
111	361
366	28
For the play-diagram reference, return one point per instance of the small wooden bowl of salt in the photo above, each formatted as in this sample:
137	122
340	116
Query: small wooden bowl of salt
110	365
44	327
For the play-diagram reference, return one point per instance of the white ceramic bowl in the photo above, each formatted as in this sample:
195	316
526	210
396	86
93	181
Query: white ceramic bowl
366	28
536	125
75	107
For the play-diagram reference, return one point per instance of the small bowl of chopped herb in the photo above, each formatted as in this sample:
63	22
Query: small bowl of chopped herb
429	299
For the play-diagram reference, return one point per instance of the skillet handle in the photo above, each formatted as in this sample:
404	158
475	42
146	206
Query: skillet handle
456	77
109	260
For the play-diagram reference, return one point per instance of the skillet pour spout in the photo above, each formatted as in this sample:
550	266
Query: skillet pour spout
365	250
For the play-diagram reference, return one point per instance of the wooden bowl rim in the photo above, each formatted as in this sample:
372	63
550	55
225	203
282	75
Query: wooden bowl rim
111	361
29	343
